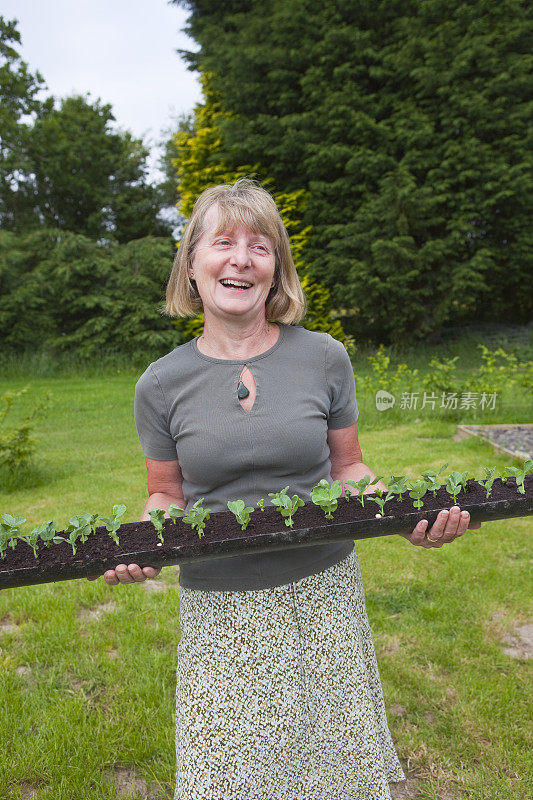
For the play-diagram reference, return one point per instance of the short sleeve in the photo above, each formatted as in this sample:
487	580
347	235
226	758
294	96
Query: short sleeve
341	383
151	419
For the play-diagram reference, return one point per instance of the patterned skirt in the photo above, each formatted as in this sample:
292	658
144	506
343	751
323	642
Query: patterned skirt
278	694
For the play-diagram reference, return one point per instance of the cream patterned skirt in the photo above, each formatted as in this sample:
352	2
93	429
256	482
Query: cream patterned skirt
278	694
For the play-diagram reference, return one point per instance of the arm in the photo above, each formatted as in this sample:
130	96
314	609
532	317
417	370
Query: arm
347	464
164	481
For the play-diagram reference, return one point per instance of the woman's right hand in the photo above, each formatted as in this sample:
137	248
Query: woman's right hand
132	573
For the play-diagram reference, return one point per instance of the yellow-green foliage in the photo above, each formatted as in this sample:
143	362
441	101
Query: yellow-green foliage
200	164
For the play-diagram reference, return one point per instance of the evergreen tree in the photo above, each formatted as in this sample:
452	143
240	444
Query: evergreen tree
407	126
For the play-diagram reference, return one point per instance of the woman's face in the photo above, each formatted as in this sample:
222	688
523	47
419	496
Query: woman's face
234	255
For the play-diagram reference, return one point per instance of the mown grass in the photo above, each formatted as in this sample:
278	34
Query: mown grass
87	671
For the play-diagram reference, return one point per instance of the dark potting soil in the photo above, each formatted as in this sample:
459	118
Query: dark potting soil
137	537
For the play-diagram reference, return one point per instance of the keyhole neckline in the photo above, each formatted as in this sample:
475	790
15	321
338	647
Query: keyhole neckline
249	360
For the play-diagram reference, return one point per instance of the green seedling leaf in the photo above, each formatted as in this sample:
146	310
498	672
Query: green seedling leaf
241	512
326	496
361	485
261	504
175	511
9	532
519	474
381	498
112	523
488	480
454	482
197	516
32	539
157	516
417	491
47	533
398	486
286	505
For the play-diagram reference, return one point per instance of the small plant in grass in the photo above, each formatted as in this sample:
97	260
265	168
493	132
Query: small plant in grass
417	490
241	512
455	482
112	523
360	486
286	505
9	531
197	516
431	477
488	479
326	496
519	474
381	498
157	516
398	486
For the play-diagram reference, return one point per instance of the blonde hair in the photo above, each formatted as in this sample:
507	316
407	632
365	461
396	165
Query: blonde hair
243	203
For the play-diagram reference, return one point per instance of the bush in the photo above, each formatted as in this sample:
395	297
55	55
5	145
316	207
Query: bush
17	444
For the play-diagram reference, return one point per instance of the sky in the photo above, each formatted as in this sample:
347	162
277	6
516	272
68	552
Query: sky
121	51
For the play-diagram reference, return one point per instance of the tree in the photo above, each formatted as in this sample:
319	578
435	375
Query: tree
88	178
407	126
19	103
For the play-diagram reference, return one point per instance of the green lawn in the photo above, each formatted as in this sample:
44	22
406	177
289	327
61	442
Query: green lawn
87	671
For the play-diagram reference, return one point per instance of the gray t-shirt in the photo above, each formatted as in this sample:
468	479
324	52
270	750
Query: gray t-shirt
186	407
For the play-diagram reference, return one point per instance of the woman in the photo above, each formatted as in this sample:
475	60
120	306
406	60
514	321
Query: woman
278	692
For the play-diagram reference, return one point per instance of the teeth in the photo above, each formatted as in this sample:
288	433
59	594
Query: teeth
228	282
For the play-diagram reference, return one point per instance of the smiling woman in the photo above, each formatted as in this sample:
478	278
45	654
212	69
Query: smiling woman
255	403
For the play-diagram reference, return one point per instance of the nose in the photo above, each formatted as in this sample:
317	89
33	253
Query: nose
240	255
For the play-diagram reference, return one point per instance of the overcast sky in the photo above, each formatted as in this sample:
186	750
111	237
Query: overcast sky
122	51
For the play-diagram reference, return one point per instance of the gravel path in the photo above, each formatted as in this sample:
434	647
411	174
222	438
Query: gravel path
515	439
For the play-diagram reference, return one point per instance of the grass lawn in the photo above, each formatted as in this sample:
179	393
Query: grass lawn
87	675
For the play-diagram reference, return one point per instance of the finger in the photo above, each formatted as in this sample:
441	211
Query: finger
136	573
474	525
93	578
123	574
452	525
110	577
419	533
436	531
151	572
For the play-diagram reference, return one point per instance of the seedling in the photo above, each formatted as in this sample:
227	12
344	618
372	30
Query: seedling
157	516
9	530
243	514
112	523
489	479
31	538
417	491
454	482
380	499
398	485
80	527
361	485
520	474
261	504
286	505
326	496
175	511
431	477
47	533
197	517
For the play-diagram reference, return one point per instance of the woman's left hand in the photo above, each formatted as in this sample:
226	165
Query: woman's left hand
447	527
